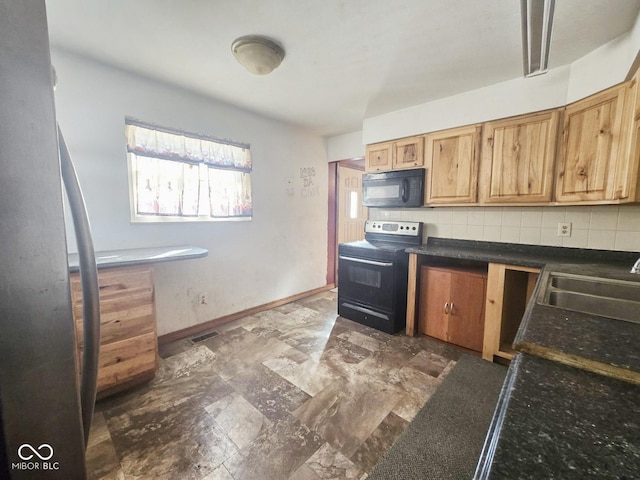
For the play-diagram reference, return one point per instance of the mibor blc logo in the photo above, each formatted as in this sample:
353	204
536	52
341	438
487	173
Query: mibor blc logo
35	458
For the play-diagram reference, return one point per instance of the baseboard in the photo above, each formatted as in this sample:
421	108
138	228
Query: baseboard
208	325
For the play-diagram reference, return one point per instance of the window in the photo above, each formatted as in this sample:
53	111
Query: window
353	205
178	176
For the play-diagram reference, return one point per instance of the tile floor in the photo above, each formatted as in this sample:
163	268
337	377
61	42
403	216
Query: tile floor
295	393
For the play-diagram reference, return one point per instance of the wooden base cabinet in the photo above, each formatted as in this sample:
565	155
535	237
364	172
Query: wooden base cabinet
451	306
128	338
509	290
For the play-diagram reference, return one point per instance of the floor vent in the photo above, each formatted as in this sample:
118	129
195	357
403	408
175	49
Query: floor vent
204	336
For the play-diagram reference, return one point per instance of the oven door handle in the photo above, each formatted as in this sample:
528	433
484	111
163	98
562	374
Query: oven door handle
368	262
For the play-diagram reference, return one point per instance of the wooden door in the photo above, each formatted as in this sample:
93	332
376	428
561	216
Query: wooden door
466	311
408	153
518	158
434	296
592	150
351	213
452	163
379	157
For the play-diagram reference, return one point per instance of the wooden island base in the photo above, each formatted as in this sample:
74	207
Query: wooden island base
128	337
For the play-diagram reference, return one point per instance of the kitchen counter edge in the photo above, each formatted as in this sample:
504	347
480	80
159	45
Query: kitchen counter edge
141	256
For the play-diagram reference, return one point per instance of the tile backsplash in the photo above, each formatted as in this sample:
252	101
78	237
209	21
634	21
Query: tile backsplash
607	227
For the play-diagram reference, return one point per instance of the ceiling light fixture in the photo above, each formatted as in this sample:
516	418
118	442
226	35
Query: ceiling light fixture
260	55
537	20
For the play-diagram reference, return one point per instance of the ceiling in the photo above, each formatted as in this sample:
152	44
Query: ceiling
346	60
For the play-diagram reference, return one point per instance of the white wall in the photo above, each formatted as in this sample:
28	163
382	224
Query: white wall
281	252
603	227
514	97
596	71
345	147
605	66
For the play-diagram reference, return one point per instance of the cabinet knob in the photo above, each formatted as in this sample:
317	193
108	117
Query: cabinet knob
446	308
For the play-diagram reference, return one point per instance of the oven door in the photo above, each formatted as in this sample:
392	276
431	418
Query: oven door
367	281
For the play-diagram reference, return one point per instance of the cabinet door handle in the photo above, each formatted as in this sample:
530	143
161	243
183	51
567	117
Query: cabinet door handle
446	308
451	308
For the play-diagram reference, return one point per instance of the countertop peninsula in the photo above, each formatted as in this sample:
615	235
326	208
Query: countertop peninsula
553	419
558	422
140	256
570	406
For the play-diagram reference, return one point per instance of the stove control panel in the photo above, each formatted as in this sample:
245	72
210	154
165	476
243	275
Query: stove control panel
407	229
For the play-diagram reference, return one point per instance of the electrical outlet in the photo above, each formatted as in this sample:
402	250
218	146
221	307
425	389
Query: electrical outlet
564	229
202	299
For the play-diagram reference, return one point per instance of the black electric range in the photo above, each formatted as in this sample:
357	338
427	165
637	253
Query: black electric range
372	274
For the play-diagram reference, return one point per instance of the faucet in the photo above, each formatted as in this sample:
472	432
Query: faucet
636	267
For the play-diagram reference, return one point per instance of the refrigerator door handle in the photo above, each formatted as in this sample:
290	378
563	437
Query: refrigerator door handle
90	288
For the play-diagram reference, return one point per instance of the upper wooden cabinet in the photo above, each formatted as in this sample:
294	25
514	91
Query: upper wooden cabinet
404	153
585	153
379	157
408	153
594	160
518	158
631	178
452	165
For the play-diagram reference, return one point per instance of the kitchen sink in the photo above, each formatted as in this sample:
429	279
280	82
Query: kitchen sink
595	305
598	286
616	299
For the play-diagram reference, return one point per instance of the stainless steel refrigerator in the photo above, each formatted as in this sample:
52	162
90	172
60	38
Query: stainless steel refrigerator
45	401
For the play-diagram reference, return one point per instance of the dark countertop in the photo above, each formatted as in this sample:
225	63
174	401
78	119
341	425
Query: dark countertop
140	256
607	346
519	254
559	422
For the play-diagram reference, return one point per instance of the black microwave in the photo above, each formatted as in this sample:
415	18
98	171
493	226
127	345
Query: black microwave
401	188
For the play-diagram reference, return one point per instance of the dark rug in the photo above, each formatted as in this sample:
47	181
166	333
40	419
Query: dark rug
445	438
